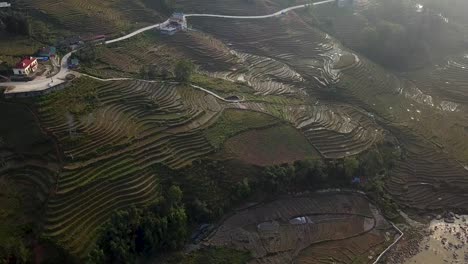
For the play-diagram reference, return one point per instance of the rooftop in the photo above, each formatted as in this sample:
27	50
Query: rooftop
48	51
25	63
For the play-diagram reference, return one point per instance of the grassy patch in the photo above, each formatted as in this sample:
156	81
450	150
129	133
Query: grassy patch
78	99
274	145
13	48
213	256
12	224
19	130
233	122
219	84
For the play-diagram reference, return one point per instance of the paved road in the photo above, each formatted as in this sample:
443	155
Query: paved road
284	11
59	78
136	32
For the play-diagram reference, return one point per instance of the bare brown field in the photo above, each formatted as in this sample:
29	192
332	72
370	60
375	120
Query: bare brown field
286	230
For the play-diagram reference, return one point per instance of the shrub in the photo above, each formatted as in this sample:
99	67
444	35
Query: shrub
184	70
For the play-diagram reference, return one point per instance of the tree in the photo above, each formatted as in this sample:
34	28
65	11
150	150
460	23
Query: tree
351	164
174	195
184	70
87	54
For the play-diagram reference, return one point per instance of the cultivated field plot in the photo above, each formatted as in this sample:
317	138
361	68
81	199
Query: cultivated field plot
292	229
335	131
127	58
428	179
275	145
92	16
112	133
29	165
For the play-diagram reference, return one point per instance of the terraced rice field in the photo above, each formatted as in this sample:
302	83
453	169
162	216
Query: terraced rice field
291	229
28	160
91	16
127	58
336	131
429	179
110	151
430	105
338	103
359	249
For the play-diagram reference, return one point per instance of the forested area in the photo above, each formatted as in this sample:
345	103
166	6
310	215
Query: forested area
15	23
159	227
393	33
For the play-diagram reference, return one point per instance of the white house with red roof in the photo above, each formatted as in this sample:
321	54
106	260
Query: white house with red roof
26	66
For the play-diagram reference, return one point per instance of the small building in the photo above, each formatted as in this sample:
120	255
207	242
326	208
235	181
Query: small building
47	52
26	66
178	17
176	22
95	39
73	63
5	4
71	43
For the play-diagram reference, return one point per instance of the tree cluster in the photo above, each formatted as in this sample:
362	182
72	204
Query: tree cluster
318	174
135	232
210	187
87	54
15	23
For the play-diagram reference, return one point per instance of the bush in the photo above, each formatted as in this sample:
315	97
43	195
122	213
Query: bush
184	70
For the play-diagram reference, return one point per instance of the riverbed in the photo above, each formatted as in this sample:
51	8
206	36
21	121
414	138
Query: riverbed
446	243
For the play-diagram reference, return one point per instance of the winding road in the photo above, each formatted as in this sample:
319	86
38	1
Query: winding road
60	77
281	12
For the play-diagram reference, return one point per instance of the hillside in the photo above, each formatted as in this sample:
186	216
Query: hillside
159	138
